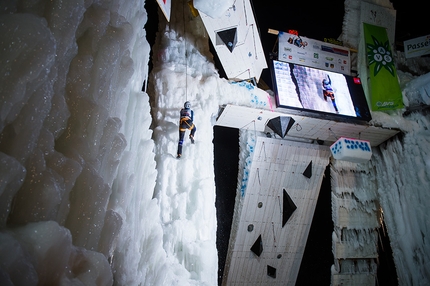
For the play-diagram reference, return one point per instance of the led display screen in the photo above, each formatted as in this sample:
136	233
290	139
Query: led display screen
319	92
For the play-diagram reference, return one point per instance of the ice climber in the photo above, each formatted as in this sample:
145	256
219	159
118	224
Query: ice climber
186	122
328	92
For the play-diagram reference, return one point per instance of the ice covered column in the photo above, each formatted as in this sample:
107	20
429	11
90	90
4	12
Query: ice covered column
356	215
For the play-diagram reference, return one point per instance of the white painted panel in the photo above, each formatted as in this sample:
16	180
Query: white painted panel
247	59
308	128
277	164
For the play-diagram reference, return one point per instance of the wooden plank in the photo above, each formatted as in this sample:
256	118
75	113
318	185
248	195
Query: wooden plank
353	279
348	251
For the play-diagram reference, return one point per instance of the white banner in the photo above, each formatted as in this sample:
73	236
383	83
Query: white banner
313	53
417	47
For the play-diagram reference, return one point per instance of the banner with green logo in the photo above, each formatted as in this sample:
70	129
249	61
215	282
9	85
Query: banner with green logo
384	88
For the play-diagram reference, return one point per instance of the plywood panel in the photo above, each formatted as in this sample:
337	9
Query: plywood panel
276	165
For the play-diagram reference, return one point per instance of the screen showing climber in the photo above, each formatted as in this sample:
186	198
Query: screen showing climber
304	88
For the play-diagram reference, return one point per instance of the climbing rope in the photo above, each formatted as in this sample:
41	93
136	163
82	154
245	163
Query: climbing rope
186	56
333	133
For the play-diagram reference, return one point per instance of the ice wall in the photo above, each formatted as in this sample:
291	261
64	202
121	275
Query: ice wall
183	71
403	179
74	123
401	166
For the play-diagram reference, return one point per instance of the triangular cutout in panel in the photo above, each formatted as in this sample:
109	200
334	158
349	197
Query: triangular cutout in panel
308	172
257	247
288	207
228	38
271	271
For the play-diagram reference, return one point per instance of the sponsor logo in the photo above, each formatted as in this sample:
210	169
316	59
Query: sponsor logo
316	55
302	60
302	53
380	55
290	57
287	49
329	59
384	104
333	41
